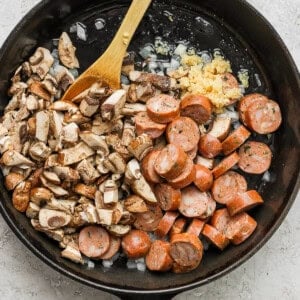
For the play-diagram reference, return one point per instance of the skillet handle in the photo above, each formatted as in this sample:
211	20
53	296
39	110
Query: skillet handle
147	297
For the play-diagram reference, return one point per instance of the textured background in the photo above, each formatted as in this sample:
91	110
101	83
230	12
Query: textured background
273	273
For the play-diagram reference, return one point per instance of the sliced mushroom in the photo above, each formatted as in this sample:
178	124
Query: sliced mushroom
63	77
95	141
140	146
115	163
62	205
128	63
90	213
141	92
55	189
133	171
89	106
39	151
32	211
143	189
69	237
50	84
31	126
206	162
14	103
77	118
41	62
132	109
72	253
21	196
16	88
87	172
51	161
112	106
75	154
52	177
128	133
70	133
135	204
64	106
85	190
37	89
127	218
12	158
55	234
115	142
111	194
105	216
32	103
42	126
221	127
118	230
53	219
100	127
40	195
56	123
12	180
66	52
35	177
66	173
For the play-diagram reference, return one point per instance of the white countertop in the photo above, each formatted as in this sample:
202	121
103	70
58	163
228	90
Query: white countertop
273	273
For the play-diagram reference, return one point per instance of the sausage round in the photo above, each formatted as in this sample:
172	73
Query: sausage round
147	167
204	178
158	257
178	269
168	198
227	186
209	146
211	207
143	124
235	140
115	243
229	83
149	220
170	161
196	227
217	238
220	220
94	241
166	223
178	226
244	202
184	133
255	157
163	108
226	164
136	244
193	153
196	107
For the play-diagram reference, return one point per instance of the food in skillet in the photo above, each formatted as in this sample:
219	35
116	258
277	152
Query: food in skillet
153	171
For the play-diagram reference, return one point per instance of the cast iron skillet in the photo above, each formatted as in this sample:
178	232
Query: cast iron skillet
249	41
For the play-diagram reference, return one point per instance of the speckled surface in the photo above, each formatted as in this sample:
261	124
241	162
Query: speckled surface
273	273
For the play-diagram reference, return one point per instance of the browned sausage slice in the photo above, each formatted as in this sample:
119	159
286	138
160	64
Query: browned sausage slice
204	178
149	220
193	153
178	269
196	227
240	227
186	177
184	133
216	237
194	203
211	207
163	108
168	198
229	83
244	202
136	244
186	249
178	226
115	243
220	220
255	157
94	241
196	107
264	117
227	186
143	124
237	138
158	257
226	164
166	223
170	162
148	169
209	146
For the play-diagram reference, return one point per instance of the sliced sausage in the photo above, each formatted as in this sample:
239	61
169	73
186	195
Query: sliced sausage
148	169
178	269
193	153
264	117
135	204
244	202
196	107
226	164
158	257
136	244
170	161
246	102
168	198
237	138
196	227
186	249
186	177
240	227
143	124
94	241
204	178
229	83
216	237
209	146
255	157
163	108
220	220
178	226
166	223
193	202
227	186
184	133
115	243
211	207
149	220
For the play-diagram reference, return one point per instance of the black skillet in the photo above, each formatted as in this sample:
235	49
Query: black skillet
249	41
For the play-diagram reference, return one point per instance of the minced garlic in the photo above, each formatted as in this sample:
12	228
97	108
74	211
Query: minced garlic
190	60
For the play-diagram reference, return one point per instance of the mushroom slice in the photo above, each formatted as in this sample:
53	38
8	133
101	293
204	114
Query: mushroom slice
115	163
66	173
64	106
52	177
32	103
63	205
112	106
70	133
206	162
128	63
100	165
118	230
111	193
63	77
127	218
40	195
140	146
100	127
12	180
132	109
77	118
41	62
133	171
50	84
51	161
89	106
56	123
21	196
87	172
72	253
105	216
12	158
135	204
53	219
39	151
85	190
37	89
66	52
143	189
14	103
31	126
128	134
69	237
55	234
221	127
16	88
115	142
57	190
75	154
42	126
95	141
32	211
90	213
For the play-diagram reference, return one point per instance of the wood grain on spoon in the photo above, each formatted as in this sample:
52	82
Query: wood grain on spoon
108	67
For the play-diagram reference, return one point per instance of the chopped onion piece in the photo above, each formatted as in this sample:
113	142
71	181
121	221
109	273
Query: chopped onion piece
131	264
180	49
90	264
107	263
81	31
266	177
141	267
257	79
100	24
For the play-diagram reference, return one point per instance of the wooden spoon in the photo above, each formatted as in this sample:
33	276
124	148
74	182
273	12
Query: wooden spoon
108	67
